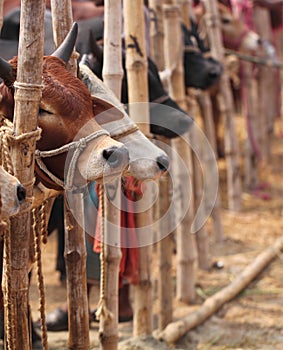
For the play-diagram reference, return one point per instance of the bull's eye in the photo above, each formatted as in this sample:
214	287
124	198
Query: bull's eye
225	20
43	111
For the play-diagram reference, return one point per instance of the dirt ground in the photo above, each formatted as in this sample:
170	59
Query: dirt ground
254	319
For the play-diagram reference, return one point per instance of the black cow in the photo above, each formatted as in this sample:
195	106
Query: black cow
201	71
9	37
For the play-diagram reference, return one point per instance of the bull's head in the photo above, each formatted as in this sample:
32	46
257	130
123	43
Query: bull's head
66	115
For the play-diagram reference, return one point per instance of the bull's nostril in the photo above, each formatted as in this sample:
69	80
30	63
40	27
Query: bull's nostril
115	156
21	193
163	163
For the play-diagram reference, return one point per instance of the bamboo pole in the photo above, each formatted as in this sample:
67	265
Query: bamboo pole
75	258
176	330
1	13
164	244
27	96
136	65
185	8
157	34
62	20
165	249
230	139
112	77
75	250
186	253
252	148
204	103
267	102
202	238
112	59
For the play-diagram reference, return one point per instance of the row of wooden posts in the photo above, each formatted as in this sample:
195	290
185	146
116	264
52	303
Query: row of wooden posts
165	50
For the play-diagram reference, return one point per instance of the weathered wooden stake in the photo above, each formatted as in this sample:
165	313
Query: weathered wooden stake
136	65
1	13
252	148
27	98
209	130
75	258
112	77
62	20
202	238
186	253
164	244
267	102
230	139
157	34
75	251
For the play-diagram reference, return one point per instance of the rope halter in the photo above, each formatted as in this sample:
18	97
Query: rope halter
78	147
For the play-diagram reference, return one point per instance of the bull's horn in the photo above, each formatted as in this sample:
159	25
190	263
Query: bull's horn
65	50
6	72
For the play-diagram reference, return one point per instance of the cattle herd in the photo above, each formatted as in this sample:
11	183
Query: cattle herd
87	136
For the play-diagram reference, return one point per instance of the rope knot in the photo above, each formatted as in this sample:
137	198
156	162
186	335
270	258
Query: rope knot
102	310
82	144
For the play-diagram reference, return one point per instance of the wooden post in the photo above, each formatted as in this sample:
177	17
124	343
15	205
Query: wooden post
1	13
75	250
204	103
230	139
28	91
112	77
185	8
112	59
136	65
266	82
186	252
157	34
164	244
202	238
75	258
252	149
62	20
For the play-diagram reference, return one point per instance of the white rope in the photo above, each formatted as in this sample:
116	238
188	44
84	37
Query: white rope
79	146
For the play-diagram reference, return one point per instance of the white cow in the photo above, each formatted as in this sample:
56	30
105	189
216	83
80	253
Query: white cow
147	161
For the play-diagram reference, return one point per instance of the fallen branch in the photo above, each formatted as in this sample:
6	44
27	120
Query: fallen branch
176	330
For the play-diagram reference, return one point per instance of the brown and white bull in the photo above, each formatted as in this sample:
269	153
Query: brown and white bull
67	120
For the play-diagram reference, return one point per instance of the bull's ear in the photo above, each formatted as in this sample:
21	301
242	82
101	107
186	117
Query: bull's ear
6	72
105	112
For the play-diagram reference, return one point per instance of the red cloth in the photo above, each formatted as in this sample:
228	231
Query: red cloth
130	256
